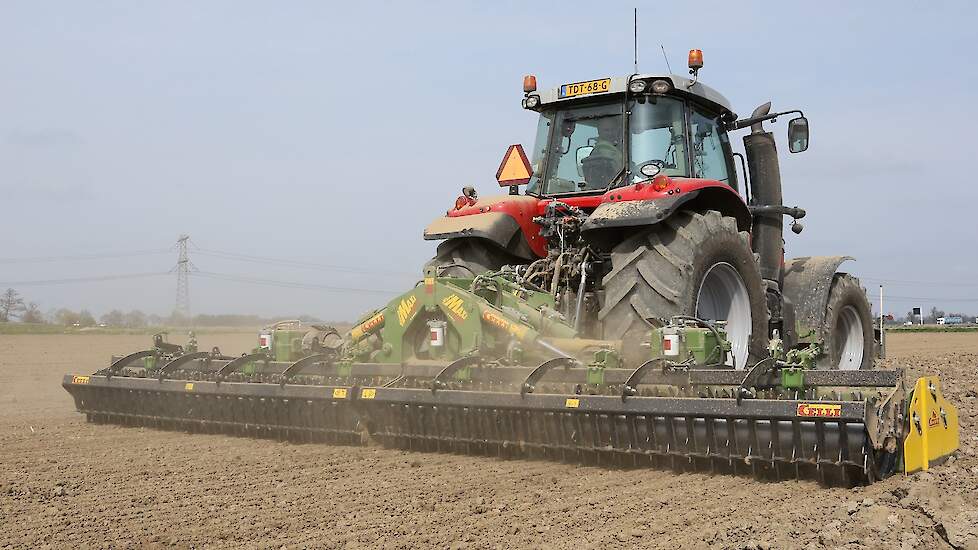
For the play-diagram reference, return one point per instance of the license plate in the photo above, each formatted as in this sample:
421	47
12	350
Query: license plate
585	88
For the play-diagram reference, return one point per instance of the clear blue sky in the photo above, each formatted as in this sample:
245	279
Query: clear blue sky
332	133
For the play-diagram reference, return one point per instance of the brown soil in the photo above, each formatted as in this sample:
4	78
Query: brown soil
66	483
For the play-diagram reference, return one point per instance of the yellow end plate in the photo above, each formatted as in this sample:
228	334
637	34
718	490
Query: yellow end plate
585	88
572	403
368	393
189	386
934	431
80	379
339	393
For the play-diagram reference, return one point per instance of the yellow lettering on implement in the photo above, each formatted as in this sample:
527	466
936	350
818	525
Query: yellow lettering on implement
406	308
79	379
368	393
189	386
367	327
339	393
456	306
572	403
819	410
504	324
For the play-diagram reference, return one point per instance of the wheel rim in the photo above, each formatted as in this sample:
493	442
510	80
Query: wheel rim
848	337
723	297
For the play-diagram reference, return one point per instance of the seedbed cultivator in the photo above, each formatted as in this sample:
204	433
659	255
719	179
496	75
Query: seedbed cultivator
450	369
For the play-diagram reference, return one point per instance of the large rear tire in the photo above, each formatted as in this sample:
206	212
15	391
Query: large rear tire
468	257
693	263
849	340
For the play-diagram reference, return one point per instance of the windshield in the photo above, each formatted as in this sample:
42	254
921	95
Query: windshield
657	128
583	149
586	151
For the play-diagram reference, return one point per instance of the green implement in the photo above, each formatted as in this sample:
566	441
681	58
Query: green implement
485	366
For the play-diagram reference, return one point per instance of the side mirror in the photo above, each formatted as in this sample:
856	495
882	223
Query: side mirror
798	135
582	153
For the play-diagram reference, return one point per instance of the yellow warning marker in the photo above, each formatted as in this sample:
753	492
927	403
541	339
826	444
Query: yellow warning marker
933	427
515	168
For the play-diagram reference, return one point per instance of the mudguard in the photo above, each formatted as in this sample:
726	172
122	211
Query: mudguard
640	205
630	213
807	281
506	221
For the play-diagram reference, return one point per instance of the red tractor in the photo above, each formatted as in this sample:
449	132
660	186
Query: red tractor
634	213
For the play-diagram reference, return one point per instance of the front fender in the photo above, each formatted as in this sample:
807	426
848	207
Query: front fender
506	220
807	281
494	226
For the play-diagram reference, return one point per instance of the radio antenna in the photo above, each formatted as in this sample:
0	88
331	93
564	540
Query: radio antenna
666	57
636	40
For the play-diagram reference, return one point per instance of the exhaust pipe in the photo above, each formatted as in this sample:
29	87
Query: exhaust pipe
765	177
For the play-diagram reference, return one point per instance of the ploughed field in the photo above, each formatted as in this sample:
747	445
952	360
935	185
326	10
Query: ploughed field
65	483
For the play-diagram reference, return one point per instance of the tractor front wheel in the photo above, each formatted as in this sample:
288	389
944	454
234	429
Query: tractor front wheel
849	339
468	257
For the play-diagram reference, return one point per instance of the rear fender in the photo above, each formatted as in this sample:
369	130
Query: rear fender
807	281
640	205
506	221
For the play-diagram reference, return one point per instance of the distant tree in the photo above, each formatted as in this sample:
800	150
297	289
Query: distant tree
85	318
178	320
135	319
114	318
32	314
66	317
11	304
934	315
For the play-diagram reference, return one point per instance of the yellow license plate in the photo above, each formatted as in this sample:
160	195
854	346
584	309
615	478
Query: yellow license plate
585	88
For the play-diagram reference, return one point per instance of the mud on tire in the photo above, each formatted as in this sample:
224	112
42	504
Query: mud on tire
848	330
659	272
468	257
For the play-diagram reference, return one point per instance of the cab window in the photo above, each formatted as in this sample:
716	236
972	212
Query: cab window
709	145
586	150
658	136
539	151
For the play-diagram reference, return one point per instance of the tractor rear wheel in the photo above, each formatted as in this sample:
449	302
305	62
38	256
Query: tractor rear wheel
468	257
849	339
693	263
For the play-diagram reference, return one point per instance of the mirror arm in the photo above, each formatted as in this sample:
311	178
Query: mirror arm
777	210
745	122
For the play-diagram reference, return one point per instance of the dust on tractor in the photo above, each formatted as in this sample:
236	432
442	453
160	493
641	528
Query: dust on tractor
631	307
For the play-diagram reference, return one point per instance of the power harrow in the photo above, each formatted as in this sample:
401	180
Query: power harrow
488	366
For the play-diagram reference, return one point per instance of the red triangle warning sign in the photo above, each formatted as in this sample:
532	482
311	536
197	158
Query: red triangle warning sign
515	168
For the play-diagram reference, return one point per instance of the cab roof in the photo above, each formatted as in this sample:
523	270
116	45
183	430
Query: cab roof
619	84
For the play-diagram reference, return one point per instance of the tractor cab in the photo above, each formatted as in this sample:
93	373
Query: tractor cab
613	132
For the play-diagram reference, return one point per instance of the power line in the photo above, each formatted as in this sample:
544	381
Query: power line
82	257
82	279
927	299
295	263
906	282
289	284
